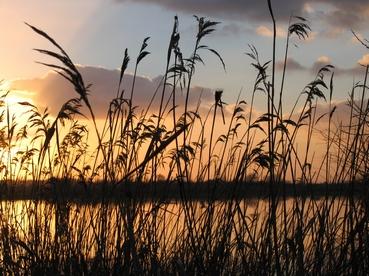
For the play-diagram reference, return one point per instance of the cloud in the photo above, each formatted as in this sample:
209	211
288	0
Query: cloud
52	90
341	113
357	69
312	36
308	8
364	60
224	9
347	14
292	65
323	60
332	32
336	13
265	31
234	29
355	39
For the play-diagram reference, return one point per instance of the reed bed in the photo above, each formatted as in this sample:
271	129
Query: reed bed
174	148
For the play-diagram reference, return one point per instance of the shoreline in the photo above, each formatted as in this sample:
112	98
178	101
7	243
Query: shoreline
163	191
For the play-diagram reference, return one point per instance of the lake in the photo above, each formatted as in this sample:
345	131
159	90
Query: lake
180	234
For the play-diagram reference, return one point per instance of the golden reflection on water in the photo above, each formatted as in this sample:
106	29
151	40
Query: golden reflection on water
89	229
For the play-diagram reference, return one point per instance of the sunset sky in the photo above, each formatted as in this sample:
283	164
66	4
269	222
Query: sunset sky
96	32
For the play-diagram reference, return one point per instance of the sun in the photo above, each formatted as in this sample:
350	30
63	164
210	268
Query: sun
12	97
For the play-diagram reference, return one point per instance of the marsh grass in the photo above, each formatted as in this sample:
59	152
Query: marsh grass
161	198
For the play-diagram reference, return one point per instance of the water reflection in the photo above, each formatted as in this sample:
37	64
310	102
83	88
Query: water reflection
150	232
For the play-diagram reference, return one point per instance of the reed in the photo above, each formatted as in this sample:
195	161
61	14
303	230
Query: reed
247	202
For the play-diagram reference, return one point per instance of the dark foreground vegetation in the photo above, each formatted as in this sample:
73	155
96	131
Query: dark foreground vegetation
255	205
97	192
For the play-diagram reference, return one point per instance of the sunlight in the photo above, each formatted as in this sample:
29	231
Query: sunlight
115	171
12	97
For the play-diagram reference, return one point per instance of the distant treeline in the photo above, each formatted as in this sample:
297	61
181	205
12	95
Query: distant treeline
147	191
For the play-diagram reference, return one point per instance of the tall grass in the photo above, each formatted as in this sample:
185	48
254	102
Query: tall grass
284	233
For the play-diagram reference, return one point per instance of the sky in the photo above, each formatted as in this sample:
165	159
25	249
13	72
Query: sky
96	32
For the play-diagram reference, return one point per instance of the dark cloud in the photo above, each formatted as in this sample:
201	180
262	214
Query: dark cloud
344	18
227	9
52	90
355	70
341	13
291	65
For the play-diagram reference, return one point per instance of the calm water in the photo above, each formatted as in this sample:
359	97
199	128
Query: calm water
166	227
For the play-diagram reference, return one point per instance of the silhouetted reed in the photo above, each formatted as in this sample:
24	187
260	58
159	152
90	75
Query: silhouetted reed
164	193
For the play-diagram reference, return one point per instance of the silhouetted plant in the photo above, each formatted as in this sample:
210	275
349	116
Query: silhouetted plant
132	221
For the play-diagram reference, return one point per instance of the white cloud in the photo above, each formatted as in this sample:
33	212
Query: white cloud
364	60
323	59
265	31
308	8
